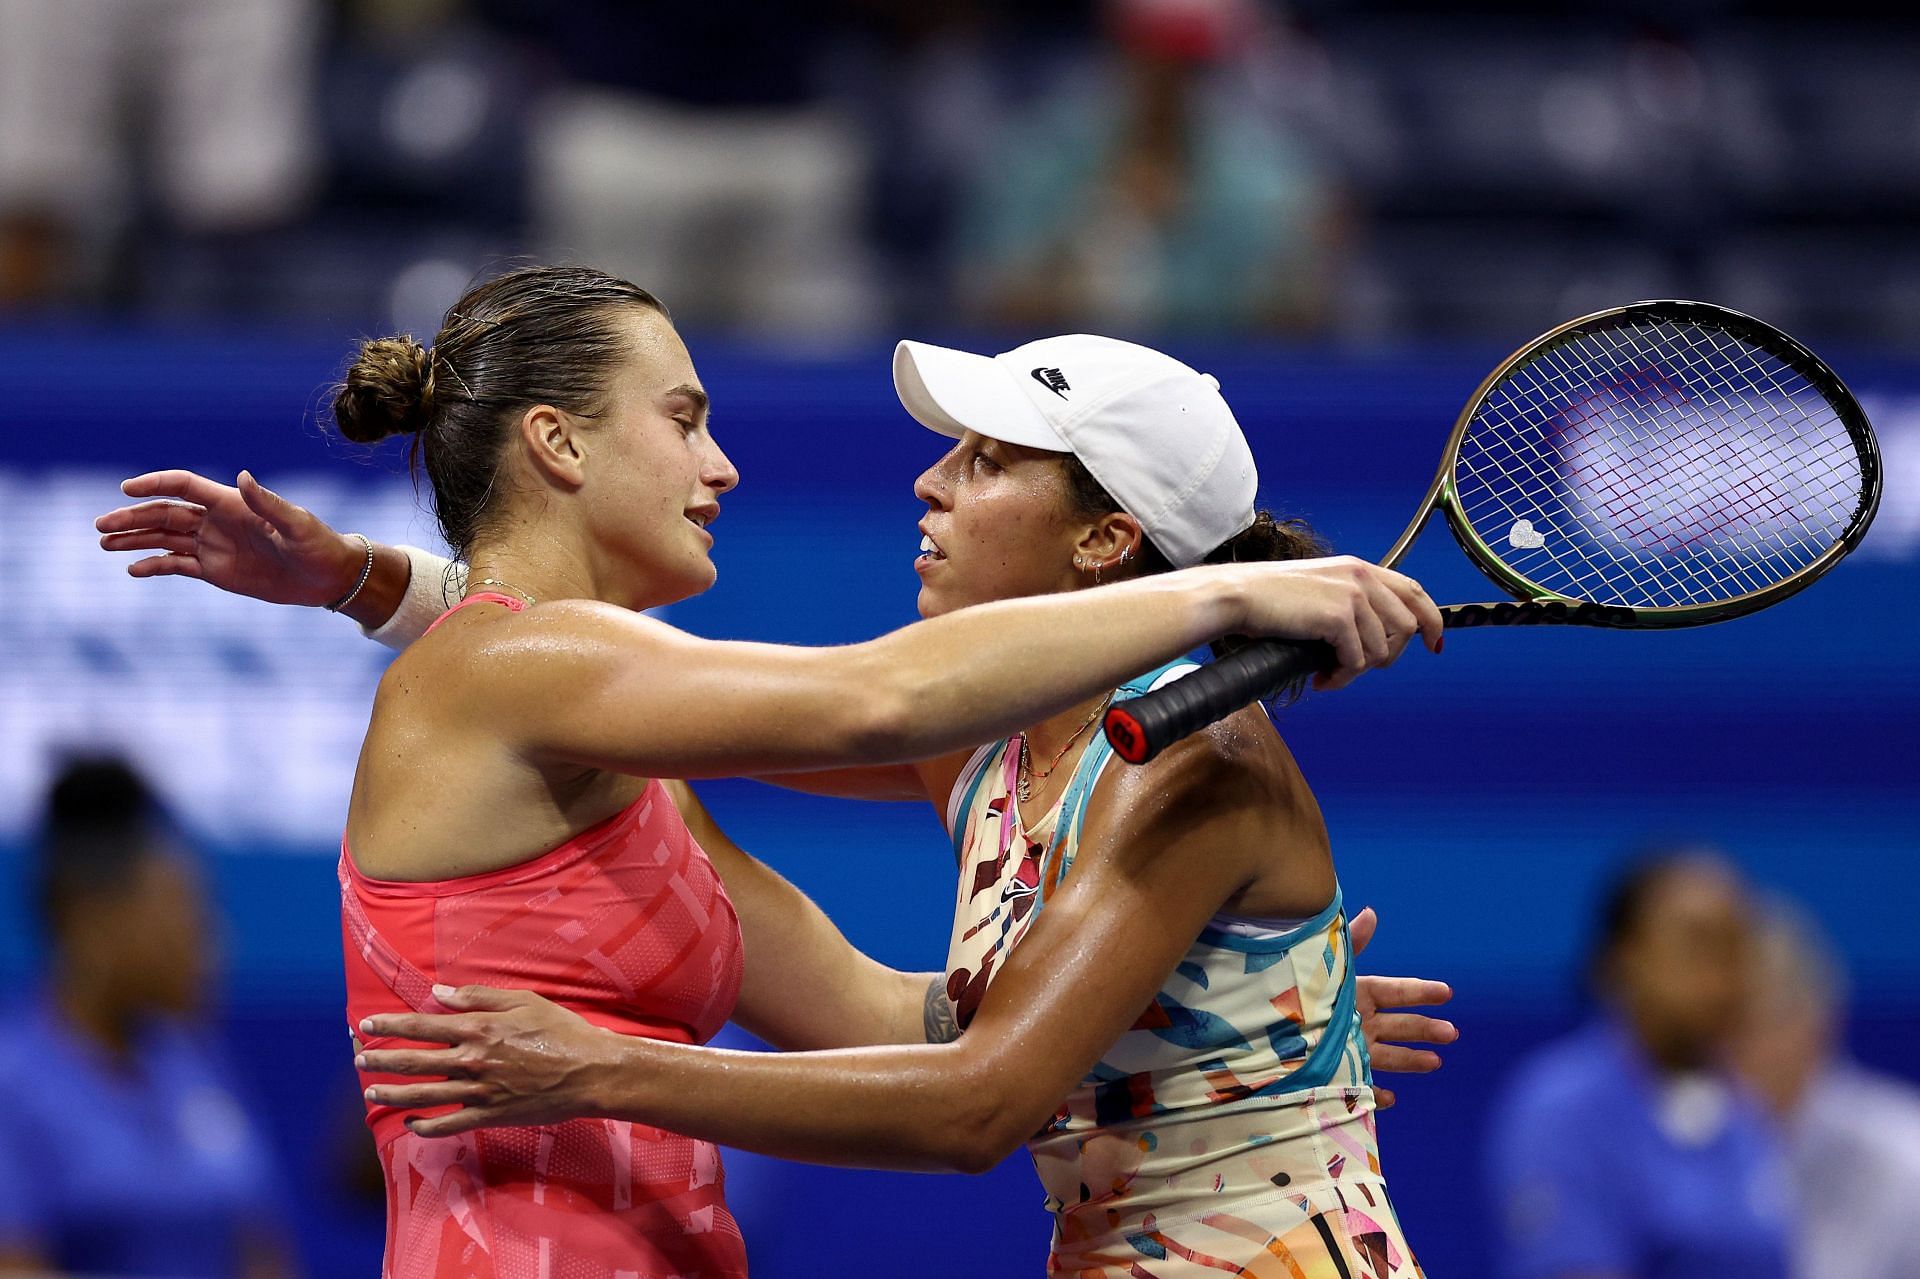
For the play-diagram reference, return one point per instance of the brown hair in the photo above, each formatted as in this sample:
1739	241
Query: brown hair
537	335
1267	538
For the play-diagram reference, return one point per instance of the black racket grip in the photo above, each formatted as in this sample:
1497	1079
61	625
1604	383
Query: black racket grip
1142	727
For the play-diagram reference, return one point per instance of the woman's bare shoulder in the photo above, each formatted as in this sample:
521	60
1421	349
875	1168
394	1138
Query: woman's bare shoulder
1233	760
518	653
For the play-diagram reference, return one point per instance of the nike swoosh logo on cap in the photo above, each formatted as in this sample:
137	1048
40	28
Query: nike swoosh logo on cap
1053	379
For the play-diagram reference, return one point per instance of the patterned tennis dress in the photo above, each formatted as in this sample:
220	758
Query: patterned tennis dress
1231	1129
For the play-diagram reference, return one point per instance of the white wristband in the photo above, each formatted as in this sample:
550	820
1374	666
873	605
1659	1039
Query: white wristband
434	585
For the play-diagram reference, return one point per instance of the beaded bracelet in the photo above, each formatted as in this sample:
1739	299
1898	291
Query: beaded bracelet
366	571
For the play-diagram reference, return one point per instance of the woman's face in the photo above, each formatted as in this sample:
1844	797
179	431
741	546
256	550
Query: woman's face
656	481
1682	971
999	525
150	935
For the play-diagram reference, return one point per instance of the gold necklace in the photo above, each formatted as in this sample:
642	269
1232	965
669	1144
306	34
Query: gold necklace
1023	781
494	581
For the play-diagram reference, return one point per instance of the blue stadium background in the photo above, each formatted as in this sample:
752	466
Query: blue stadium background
1478	800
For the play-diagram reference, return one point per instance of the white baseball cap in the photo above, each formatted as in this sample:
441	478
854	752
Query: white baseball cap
1157	435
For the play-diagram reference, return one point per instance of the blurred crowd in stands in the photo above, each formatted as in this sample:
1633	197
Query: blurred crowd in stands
1357	169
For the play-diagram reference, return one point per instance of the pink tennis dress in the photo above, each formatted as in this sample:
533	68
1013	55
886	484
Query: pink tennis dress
627	924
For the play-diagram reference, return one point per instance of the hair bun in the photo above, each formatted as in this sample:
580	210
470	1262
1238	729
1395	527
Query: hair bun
388	391
1270	538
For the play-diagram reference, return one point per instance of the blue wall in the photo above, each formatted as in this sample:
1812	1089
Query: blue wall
1478	800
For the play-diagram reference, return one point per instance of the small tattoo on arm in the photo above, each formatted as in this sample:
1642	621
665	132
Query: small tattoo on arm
938	1016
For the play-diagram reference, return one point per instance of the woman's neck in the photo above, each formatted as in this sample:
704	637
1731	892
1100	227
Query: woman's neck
541	567
1054	747
1051	735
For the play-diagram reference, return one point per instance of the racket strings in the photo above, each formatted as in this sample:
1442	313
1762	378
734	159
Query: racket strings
1811	452
1512	433
1646	533
1627	578
1646	515
1649	522
1775	388
1638	511
1657	464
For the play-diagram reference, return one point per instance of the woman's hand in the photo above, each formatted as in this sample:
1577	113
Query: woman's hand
1365	612
248	540
513	1058
1376	994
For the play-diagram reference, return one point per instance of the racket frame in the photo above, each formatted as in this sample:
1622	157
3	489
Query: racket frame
1556	608
1140	728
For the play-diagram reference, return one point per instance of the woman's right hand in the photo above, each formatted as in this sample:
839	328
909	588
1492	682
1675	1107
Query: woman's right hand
1365	612
248	540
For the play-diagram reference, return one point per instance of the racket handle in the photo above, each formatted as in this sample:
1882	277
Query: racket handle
1142	727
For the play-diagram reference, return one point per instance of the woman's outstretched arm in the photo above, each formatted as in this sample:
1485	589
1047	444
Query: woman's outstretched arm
246	539
582	683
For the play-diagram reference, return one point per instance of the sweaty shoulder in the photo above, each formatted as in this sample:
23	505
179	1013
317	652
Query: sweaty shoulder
485	650
1230	792
562	629
1239	760
488	680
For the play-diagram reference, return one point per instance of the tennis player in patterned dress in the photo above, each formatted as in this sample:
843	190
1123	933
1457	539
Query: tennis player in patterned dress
1164	948
503	819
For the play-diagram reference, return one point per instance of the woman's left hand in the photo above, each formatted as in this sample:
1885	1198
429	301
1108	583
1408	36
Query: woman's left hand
1376	995
512	1058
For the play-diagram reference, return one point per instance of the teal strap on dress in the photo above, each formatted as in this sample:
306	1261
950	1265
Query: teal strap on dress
1140	685
1073	810
1086	774
1083	777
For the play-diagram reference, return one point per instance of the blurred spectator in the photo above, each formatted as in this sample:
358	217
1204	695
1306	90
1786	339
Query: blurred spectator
1156	192
424	109
423	104
190	116
693	150
122	1148
1853	1136
922	81
1627	1151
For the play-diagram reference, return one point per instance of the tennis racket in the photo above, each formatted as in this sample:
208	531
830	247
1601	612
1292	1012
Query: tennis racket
1657	465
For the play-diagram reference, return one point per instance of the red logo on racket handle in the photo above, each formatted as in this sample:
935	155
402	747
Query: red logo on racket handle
1129	741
